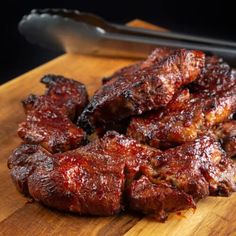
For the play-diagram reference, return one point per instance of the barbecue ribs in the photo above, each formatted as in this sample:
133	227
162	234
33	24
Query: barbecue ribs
95	179
177	101
141	88
49	118
212	100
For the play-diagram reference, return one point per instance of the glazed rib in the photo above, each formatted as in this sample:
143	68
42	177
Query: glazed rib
95	179
88	180
216	76
146	89
181	176
49	117
67	94
212	100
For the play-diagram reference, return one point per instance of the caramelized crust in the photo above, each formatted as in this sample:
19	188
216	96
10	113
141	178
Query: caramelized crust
88	180
175	102
145	89
226	132
95	179
189	115
216	76
158	55
185	118
181	176
49	117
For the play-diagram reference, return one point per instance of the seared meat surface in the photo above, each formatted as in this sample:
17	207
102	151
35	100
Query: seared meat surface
216	76
49	117
188	115
67	94
185	118
177	110
158	55
227	134
95	179
181	176
88	180
143	90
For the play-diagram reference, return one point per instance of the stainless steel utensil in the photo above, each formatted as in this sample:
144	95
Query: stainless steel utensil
74	31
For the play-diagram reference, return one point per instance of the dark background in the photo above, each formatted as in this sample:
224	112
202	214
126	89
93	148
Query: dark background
209	18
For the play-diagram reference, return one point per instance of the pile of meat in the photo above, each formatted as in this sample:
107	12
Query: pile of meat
166	138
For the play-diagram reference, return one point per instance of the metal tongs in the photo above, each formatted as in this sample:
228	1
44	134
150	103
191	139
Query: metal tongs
74	31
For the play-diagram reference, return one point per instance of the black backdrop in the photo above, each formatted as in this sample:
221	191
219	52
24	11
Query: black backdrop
210	18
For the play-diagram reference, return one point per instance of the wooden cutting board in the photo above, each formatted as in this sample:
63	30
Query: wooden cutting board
214	216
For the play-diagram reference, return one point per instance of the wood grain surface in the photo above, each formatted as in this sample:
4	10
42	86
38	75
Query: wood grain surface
214	216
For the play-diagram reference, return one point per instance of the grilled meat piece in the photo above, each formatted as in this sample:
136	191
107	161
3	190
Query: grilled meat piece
158	55
95	179
157	199
68	95
49	117
88	180
185	118
76	181
181	176
200	167
47	126
216	76
143	90
229	145
189	115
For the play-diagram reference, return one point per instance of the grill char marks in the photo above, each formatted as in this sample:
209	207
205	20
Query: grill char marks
50	117
185	118
95	179
140	88
89	180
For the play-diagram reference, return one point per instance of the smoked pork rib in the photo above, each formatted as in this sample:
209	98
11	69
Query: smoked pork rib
95	179
185	118
181	176
67	94
49	117
188	115
158	55
146	89
88	180
226	132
